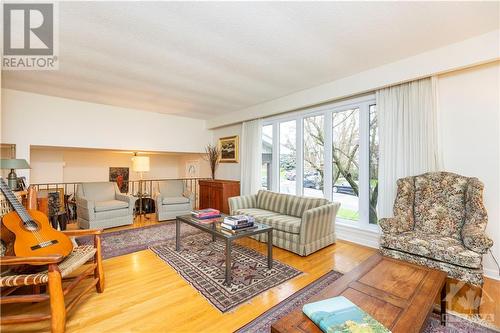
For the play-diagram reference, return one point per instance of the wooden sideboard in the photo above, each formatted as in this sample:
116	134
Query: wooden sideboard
214	193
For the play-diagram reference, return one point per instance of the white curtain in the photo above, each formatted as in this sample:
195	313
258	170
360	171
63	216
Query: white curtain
251	156
408	138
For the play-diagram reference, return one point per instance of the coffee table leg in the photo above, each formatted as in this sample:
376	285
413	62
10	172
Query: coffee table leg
177	234
443	305
228	262
270	249
213	235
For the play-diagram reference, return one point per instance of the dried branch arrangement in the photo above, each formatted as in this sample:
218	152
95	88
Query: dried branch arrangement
213	157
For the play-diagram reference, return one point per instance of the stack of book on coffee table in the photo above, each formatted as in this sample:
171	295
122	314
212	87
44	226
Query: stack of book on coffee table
208	215
238	223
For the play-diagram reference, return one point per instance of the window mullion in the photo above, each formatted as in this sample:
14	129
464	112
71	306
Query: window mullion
299	167
328	172
364	193
275	159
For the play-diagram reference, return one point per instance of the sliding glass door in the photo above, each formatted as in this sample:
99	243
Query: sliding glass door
329	151
314	156
345	162
267	157
288	157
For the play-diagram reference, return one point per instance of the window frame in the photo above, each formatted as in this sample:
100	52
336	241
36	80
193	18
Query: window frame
327	110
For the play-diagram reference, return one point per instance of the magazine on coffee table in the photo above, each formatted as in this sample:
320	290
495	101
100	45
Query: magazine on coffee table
338	314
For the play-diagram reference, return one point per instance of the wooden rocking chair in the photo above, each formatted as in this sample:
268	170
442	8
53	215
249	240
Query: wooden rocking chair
58	271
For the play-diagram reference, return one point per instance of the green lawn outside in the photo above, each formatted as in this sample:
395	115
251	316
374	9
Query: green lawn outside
348	214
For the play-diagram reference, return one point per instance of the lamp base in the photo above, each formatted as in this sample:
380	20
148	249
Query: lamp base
12	180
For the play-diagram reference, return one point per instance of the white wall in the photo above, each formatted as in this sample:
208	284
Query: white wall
469	107
33	119
50	165
231	171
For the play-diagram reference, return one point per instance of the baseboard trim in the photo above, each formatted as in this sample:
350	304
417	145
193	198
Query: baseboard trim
357	235
491	274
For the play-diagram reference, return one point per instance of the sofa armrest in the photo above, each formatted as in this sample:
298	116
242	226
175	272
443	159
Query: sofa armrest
189	195
85	203
130	199
394	225
318	222
241	202
475	239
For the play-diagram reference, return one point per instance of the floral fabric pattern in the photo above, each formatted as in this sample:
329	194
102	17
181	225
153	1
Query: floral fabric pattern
439	222
470	275
433	246
439	203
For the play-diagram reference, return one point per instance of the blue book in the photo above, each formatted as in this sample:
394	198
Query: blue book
338	314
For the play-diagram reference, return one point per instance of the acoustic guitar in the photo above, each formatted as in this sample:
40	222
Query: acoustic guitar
33	234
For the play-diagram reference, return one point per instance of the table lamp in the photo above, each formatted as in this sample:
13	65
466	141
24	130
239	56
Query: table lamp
13	164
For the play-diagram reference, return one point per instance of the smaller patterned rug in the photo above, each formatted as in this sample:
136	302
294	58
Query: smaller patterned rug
201	263
262	324
122	242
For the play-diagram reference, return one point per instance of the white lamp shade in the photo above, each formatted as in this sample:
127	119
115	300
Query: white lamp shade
140	163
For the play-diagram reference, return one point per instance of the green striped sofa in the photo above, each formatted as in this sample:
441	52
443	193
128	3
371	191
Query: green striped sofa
302	225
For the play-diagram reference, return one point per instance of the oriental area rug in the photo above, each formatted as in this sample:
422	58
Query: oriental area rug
201	263
122	242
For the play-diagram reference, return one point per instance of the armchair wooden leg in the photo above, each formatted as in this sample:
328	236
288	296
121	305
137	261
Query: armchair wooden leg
99	271
57	307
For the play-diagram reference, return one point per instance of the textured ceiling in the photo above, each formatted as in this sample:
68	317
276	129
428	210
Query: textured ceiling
201	59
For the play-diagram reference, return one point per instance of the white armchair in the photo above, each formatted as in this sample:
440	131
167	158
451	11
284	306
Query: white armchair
101	205
173	200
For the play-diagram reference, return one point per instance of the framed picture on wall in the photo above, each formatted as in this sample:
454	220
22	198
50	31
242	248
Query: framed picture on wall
192	169
119	175
229	149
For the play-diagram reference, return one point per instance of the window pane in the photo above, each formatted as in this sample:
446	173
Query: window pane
373	164
314	158
267	156
345	158
287	156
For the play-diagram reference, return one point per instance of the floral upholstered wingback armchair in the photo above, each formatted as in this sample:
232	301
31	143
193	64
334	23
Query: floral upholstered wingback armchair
439	222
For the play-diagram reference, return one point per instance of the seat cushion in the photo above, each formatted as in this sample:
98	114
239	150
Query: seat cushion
103	206
174	200
296	205
286	223
258	213
440	203
272	201
433	246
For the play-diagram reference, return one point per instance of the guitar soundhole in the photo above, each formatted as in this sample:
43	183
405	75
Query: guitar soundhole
31	226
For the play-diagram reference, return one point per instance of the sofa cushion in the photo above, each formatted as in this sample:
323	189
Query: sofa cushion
296	206
103	206
285	223
97	191
440	203
272	201
171	188
259	214
174	200
433	246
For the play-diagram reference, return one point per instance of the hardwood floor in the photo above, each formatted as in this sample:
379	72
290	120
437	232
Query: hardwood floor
143	294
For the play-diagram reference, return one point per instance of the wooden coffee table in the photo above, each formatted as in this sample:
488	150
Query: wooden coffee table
398	294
